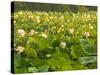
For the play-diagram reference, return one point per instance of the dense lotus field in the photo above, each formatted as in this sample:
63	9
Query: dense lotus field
54	41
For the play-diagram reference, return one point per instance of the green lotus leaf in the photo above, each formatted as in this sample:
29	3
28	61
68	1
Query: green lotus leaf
32	69
31	52
76	51
43	68
87	59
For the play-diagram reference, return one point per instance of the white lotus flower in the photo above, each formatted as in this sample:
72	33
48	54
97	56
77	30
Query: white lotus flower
54	27
62	25
38	19
20	49
68	20
14	22
71	31
63	44
44	35
91	27
31	16
21	32
46	13
48	55
36	32
31	32
62	17
86	34
51	17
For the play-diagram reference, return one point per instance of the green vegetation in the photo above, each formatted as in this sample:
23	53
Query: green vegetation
46	41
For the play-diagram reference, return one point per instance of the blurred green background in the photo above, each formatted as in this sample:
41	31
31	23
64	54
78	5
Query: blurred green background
34	6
